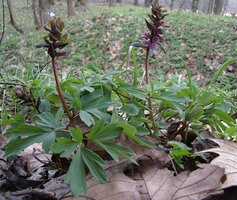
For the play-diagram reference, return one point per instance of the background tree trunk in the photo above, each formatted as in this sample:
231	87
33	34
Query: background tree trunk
36	20
147	3
43	11
195	5
80	3
13	17
51	2
70	8
210	6
110	2
181	4
171	4
218	7
225	4
135	3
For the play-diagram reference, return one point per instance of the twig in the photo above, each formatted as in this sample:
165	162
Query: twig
3	22
45	163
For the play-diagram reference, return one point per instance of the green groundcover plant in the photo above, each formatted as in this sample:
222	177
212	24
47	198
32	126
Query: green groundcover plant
98	108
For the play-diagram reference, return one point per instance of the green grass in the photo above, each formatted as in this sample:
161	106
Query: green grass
100	38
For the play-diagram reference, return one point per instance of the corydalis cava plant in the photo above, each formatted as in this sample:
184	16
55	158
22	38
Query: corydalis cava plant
152	36
53	41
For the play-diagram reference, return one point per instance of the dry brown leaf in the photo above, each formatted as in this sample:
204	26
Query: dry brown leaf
118	187
227	159
156	184
161	184
34	157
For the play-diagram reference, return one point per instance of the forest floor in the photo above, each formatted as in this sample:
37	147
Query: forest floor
100	38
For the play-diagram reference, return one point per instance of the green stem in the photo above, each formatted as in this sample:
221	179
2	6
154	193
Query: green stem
60	94
155	128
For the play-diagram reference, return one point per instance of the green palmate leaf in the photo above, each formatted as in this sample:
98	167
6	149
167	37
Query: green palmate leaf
24	130
218	124
86	118
180	150
179	145
96	128
115	151
76	103
64	146
48	121
14	147
76	175
15	120
194	113
178	153
48	140
59	115
44	106
76	134
133	91
99	114
95	164
130	109
231	131
225	117
131	132
105	133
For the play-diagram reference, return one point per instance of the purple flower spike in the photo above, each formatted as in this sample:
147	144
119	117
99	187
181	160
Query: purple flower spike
154	33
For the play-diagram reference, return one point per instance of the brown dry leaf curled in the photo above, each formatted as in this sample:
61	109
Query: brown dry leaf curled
227	159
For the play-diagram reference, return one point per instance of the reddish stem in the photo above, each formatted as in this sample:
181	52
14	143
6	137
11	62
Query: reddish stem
60	94
147	65
149	94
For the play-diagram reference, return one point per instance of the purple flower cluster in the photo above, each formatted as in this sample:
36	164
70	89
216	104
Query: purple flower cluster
154	33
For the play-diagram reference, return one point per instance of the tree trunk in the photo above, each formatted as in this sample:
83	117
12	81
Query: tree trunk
195	5
80	3
171	4
210	6
147	3
119	1
218	7
225	5
70	8
51	2
13	17
43	9
36	20
110	2
181	5
135	3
